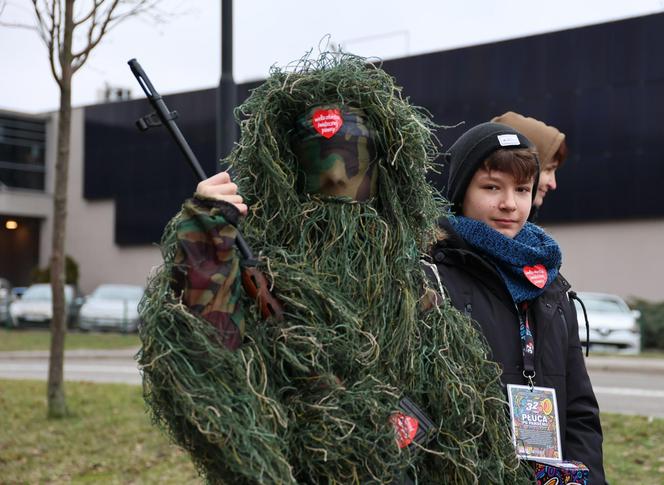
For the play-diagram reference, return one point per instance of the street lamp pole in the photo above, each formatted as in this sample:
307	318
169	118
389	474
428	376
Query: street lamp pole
227	91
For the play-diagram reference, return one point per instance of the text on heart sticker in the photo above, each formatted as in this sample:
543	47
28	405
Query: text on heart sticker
327	121
537	275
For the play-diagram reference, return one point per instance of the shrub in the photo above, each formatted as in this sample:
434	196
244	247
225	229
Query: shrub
651	323
43	275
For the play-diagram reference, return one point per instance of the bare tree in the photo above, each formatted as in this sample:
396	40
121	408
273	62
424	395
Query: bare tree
70	33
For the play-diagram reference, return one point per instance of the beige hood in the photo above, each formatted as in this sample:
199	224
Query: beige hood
546	138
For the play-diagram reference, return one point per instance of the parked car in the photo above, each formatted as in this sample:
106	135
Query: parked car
5	299
613	326
17	292
111	307
35	307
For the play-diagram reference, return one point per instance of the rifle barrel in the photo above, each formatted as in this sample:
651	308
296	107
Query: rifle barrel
167	119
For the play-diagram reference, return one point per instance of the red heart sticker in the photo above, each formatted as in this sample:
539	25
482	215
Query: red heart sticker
537	275
406	428
327	121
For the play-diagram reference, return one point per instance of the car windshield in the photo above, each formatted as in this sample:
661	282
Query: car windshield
118	292
602	305
43	292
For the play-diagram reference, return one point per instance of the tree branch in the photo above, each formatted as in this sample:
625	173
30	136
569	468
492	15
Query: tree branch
90	14
46	31
101	17
102	22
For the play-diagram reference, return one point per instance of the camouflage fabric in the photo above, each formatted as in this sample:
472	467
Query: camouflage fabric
336	153
207	268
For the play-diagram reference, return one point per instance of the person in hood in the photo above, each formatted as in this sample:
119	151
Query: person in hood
503	272
331	195
551	151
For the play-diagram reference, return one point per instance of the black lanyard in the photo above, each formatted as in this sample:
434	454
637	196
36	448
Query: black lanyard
527	345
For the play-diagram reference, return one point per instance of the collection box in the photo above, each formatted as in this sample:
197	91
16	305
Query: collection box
561	473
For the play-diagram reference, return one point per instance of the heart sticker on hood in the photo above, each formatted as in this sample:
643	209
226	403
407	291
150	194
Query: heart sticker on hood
537	275
327	121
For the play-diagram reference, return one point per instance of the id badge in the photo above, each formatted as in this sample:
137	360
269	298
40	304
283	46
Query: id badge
535	423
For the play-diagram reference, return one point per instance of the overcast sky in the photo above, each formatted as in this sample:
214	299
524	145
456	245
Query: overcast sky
184	54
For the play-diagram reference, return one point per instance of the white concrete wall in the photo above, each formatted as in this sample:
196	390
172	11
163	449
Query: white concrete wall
621	257
27	203
90	230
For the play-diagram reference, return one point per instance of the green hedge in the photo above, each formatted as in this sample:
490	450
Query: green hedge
651	322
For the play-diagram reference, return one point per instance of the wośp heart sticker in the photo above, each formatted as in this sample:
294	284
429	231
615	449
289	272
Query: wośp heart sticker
327	121
537	275
406	428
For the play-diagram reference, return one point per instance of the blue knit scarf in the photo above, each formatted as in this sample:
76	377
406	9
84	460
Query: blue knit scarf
529	248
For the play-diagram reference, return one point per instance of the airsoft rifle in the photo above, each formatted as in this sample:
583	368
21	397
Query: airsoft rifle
253	280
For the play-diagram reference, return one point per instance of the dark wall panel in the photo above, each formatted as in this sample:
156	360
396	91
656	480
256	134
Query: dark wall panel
602	85
145	172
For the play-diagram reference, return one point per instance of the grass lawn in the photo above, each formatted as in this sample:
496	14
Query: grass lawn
41	340
633	449
109	439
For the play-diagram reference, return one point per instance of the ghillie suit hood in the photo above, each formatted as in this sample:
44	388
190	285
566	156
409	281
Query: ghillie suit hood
308	398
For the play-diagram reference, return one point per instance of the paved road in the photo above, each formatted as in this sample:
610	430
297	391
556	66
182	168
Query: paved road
622	385
96	366
624	392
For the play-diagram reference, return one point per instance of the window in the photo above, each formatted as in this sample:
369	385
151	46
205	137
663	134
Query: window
22	148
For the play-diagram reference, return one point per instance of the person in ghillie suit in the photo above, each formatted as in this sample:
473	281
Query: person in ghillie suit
331	165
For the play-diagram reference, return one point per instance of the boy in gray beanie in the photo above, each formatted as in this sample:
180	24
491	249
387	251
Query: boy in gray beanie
503	272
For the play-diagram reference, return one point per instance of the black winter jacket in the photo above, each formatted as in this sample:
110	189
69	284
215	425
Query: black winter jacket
476	288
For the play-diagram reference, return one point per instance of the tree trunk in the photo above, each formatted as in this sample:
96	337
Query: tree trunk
57	405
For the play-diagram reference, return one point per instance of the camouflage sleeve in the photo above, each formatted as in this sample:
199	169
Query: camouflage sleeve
208	267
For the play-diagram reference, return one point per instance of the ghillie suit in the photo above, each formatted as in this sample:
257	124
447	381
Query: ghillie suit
309	398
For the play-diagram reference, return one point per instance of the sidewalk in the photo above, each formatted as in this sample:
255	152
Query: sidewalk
601	363
633	365
79	354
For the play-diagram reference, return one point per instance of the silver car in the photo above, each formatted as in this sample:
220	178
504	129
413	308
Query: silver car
111	307
613	326
5	299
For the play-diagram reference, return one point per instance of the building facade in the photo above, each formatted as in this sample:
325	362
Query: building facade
602	85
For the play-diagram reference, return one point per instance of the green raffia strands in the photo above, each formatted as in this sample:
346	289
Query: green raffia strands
307	399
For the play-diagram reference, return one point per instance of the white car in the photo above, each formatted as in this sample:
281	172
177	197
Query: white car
613	326
35	307
111	307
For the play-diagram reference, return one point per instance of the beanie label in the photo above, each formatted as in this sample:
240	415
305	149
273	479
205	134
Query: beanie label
327	121
508	140
537	275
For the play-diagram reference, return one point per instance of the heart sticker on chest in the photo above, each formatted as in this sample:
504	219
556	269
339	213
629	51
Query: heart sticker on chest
405	427
327	121
537	275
